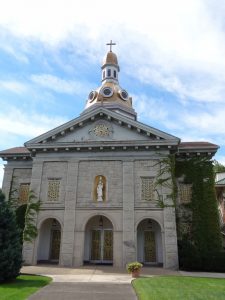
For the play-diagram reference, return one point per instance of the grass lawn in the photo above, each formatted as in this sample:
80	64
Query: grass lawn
179	287
22	287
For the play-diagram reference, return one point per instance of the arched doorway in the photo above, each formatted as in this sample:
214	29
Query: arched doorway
149	242
49	241
98	244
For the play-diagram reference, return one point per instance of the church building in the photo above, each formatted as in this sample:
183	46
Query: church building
96	179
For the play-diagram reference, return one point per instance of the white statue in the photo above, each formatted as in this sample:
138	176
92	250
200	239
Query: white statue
100	190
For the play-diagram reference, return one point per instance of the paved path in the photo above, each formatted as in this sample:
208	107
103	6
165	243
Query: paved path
95	282
85	291
85	283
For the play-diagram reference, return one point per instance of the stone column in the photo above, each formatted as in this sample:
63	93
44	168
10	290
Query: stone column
30	249
67	248
129	251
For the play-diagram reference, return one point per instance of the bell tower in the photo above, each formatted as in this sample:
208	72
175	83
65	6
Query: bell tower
110	94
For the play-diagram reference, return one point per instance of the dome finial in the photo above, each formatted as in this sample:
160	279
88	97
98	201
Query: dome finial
110	45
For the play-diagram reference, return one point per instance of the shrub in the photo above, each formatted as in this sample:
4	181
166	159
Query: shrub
10	244
133	266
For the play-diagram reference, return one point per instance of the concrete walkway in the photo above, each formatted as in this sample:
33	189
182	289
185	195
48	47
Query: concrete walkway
96	282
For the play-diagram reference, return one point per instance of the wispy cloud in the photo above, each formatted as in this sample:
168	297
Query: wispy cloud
60	85
14	86
146	107
179	48
15	121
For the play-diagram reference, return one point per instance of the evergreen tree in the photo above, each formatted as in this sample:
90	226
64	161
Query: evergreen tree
10	244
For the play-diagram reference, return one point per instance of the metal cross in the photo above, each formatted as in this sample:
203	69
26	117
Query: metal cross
110	44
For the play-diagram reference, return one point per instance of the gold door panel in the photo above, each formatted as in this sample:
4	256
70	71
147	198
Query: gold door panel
55	244
96	245
149	246
108	245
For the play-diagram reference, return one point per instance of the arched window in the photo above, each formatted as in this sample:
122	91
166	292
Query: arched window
114	73
108	72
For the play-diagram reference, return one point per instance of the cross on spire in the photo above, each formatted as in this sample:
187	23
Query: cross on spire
110	45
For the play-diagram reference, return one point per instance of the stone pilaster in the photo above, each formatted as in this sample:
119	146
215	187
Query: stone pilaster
7	179
170	239
129	252
67	248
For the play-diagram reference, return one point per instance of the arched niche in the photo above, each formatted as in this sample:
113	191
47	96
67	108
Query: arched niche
98	242
49	241
149	242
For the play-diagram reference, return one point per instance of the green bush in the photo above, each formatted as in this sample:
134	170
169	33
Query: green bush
10	244
133	266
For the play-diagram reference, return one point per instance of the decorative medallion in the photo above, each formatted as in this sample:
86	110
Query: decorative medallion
101	130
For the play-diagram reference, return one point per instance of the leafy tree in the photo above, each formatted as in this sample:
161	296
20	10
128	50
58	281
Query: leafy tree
30	231
10	244
218	167
20	218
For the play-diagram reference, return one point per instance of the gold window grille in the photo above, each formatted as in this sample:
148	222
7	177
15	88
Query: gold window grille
53	189
147	188
24	193
185	192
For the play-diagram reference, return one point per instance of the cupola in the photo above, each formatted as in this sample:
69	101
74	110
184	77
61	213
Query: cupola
110	94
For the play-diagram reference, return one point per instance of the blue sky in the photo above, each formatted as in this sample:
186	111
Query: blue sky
171	55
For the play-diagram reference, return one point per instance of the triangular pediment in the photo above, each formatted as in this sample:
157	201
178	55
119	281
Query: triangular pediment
101	125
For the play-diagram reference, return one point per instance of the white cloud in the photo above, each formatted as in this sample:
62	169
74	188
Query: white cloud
177	45
189	85
13	86
146	107
60	85
16	122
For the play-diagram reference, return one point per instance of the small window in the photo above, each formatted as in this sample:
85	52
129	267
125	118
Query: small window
53	190
147	188
24	193
108	72
185	192
114	73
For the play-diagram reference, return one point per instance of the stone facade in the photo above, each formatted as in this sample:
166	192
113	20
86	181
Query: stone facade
122	206
64	166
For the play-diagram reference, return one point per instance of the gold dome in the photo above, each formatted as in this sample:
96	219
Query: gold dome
110	59
115	97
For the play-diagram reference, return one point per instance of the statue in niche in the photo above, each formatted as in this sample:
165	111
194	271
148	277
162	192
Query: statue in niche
100	190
